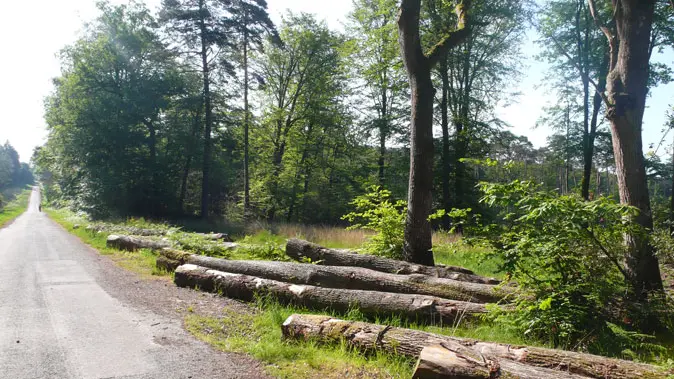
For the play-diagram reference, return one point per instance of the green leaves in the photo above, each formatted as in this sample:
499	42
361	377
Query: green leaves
565	253
376	211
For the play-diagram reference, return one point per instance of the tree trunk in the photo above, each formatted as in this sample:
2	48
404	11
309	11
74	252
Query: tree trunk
134	243
426	309
456	361
246	126
208	121
357	278
627	87
408	342
418	236
188	162
671	199
592	135
383	132
446	202
301	250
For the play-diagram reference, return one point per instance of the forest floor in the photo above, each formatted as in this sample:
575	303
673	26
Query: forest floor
254	329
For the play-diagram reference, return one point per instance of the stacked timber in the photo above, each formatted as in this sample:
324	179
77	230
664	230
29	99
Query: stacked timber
301	250
358	278
451	357
427	309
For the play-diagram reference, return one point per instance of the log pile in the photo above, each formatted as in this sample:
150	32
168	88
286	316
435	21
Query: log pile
447	356
301	250
427	309
358	278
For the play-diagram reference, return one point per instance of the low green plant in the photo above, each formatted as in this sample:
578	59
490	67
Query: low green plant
566	255
378	212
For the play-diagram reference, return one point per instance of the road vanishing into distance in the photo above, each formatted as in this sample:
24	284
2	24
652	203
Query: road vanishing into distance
68	312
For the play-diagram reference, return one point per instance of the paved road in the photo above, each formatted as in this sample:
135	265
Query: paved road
58	321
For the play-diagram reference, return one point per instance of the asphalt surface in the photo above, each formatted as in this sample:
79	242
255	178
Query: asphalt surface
67	312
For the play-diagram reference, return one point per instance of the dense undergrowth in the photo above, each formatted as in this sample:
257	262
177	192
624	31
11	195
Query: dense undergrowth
14	207
258	333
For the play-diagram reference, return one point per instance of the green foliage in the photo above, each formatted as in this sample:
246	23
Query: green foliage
566	255
14	208
377	211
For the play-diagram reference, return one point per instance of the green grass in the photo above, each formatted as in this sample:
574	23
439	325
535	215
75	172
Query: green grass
142	262
14	208
470	257
260	336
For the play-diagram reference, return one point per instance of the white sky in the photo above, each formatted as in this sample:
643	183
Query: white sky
29	63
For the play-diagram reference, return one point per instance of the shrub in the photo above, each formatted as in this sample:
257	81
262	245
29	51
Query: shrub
566	255
377	211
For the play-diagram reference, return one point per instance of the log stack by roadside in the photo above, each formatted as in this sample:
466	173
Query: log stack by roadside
420	308
301	250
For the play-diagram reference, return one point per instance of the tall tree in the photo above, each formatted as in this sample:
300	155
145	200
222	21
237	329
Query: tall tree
377	62
198	23
250	22
418	237
579	57
474	77
302	80
626	91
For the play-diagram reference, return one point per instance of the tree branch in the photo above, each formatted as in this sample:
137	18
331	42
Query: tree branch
583	74
455	37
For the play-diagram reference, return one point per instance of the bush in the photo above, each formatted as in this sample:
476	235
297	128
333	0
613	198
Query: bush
566	255
377	211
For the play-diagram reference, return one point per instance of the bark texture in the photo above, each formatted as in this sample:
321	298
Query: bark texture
418	244
300	249
170	259
420	308
357	278
626	91
456	361
135	243
408	342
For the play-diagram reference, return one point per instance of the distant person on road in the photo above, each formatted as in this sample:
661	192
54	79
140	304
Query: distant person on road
39	207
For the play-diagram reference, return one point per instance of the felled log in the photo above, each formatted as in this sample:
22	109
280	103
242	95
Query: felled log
300	250
357	278
410	342
170	259
421	308
135	243
457	361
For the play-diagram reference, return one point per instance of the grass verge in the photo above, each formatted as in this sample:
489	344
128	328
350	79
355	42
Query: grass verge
142	262
14	208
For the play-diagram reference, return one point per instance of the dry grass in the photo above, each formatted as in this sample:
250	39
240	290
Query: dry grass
329	236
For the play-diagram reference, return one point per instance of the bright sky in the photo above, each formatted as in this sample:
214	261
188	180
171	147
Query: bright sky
29	63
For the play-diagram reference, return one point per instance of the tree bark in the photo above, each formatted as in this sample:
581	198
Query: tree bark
134	243
444	124
589	147
418	236
208	122
408	342
420	308
627	87
246	121
459	362
301	250
357	278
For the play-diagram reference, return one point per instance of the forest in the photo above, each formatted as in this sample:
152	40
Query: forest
207	110
14	175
